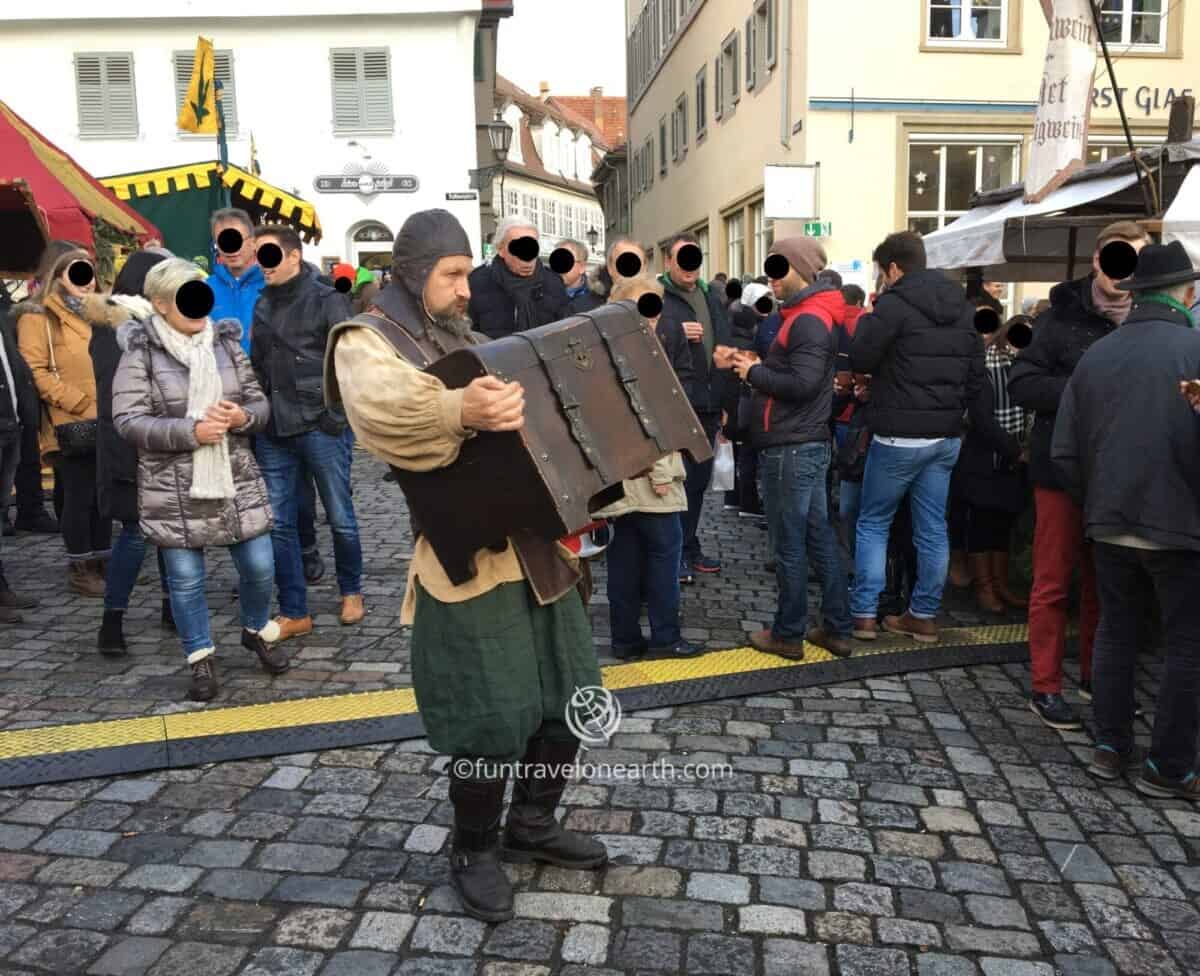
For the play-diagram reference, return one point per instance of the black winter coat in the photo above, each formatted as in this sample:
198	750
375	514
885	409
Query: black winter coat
1039	377
925	358
707	383
793	385
495	314
10	419
1126	443
988	473
116	458
287	349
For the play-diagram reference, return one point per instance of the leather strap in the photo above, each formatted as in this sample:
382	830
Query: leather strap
573	410
629	380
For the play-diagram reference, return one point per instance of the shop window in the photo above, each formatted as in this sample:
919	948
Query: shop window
1103	148
1135	23
968	21
701	103
735	244
764	234
942	176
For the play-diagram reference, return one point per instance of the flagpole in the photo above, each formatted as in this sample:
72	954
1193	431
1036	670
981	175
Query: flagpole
222	143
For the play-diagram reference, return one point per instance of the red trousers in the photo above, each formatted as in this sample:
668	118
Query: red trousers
1058	547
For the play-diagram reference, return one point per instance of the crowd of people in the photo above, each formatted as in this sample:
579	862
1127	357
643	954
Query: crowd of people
886	443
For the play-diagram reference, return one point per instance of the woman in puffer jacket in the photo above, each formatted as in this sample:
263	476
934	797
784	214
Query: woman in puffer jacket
647	538
186	398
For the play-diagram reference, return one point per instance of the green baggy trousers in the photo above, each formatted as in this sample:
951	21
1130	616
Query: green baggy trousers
489	671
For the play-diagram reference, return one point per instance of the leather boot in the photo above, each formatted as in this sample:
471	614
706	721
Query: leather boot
533	832
111	641
475	870
959	575
1000	572
985	591
83	580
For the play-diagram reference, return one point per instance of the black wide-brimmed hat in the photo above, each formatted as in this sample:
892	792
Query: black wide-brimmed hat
1161	266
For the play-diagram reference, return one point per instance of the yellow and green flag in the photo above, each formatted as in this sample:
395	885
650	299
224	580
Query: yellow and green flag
199	111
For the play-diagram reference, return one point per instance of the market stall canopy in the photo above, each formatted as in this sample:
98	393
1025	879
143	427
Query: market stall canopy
1181	222
181	198
67	196
1010	240
24	236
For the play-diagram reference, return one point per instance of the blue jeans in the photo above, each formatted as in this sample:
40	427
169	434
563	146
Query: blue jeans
793	481
124	566
186	574
696	485
281	460
643	558
923	473
849	503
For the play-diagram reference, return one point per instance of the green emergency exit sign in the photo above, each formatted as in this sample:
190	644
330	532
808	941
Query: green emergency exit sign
818	228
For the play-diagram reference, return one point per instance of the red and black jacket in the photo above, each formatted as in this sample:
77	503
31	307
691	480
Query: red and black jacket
793	386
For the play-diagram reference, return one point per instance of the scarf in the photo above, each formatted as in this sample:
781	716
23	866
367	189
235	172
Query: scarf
525	294
73	303
212	472
1160	298
1009	416
1114	309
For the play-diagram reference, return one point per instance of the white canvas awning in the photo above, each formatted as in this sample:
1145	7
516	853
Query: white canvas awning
976	239
1181	222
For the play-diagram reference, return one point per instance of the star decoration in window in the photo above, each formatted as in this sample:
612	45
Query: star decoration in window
921	177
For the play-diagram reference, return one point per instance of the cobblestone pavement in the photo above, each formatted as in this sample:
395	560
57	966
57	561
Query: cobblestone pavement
925	825
51	673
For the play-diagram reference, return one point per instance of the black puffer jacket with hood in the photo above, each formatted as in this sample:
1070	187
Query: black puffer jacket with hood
925	358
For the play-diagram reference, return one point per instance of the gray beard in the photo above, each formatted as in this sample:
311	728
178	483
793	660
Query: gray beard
460	328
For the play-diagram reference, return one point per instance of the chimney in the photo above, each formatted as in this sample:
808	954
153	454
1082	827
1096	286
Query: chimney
598	107
543	90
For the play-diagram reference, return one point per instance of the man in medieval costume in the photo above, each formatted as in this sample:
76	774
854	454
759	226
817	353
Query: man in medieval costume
496	659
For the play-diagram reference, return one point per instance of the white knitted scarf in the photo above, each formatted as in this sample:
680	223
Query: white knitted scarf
212	472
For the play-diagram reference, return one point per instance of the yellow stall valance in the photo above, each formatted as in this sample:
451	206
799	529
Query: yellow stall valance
290	208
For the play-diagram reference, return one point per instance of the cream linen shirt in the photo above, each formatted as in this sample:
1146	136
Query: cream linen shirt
408	418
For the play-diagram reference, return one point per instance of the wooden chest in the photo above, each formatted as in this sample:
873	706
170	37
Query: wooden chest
602	404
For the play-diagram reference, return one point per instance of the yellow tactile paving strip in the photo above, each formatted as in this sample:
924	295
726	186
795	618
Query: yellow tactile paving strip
27	744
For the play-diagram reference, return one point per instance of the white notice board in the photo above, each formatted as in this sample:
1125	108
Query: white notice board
792	192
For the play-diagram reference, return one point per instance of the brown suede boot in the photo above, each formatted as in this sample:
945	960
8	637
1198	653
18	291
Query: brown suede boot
1000	573
82	579
959	575
985	592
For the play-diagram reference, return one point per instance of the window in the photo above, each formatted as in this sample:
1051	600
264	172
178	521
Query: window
529	208
1103	148
735	243
479	72
751	57
701	102
764	233
662	145
512	204
362	90
682	121
105	95
222	71
942	175
718	89
549	217
972	21
648	149
764	22
1135	23
702	237
729	77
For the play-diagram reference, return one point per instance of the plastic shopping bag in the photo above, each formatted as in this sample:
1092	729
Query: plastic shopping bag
723	467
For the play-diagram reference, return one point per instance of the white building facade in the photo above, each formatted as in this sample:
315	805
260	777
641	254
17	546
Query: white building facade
329	90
